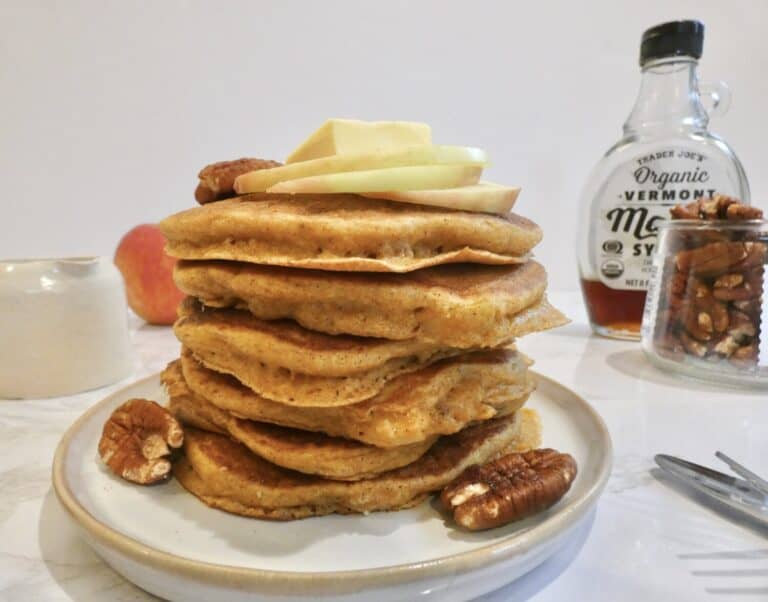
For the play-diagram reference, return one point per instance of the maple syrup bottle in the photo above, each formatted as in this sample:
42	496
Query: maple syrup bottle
667	156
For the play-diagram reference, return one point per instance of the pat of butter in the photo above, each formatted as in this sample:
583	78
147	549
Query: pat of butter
346	136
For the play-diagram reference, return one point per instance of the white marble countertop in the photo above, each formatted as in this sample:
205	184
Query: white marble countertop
648	539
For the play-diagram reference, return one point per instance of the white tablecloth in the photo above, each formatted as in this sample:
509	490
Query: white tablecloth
648	539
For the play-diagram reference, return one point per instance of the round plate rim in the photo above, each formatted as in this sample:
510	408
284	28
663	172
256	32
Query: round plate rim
221	574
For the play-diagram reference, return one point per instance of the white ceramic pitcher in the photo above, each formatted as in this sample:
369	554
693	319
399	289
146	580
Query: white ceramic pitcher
63	326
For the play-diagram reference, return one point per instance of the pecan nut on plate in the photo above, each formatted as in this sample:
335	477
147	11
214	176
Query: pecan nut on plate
509	488
138	439
217	180
712	285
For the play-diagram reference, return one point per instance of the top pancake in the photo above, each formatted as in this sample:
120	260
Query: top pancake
345	232
460	306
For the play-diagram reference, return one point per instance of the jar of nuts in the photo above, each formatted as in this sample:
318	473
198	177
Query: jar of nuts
705	315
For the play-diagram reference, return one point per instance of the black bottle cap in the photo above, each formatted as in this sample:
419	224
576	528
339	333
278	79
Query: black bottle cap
676	38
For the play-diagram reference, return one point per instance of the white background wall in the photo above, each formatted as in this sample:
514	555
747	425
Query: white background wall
109	109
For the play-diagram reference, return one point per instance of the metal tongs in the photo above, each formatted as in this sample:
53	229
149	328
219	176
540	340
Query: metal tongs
748	494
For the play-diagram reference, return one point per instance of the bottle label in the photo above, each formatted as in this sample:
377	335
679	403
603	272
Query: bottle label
636	199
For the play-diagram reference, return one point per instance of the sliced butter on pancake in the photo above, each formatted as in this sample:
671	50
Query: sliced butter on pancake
345	232
353	136
303	451
408	410
226	475
284	362
453	305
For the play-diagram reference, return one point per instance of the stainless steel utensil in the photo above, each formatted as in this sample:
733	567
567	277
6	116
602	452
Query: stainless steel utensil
748	494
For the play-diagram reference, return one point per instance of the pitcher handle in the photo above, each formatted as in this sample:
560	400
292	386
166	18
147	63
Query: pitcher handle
716	97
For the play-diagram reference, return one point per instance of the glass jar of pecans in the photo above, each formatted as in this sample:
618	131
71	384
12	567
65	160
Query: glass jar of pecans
706	313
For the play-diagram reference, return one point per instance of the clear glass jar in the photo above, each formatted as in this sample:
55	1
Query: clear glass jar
666	156
706	314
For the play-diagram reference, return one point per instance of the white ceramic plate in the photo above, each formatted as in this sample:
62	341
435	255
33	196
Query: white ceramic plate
167	542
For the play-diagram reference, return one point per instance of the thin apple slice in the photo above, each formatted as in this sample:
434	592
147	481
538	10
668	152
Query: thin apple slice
483	197
415	177
423	154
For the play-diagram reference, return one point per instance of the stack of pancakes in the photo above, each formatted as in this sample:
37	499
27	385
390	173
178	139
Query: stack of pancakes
346	354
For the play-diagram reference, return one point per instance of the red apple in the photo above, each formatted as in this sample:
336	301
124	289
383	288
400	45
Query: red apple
148	274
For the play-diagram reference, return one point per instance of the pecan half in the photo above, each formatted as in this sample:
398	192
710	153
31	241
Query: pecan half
692	346
752	307
719	206
741	325
509	488
757	255
726	346
746	354
737	211
729	281
217	180
712	259
137	440
689	211
750	287
704	316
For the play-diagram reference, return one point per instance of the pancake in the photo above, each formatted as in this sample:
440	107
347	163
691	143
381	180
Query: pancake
285	362
303	451
408	410
455	305
345	232
226	475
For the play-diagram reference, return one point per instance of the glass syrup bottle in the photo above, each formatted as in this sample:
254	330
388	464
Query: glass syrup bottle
667	156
